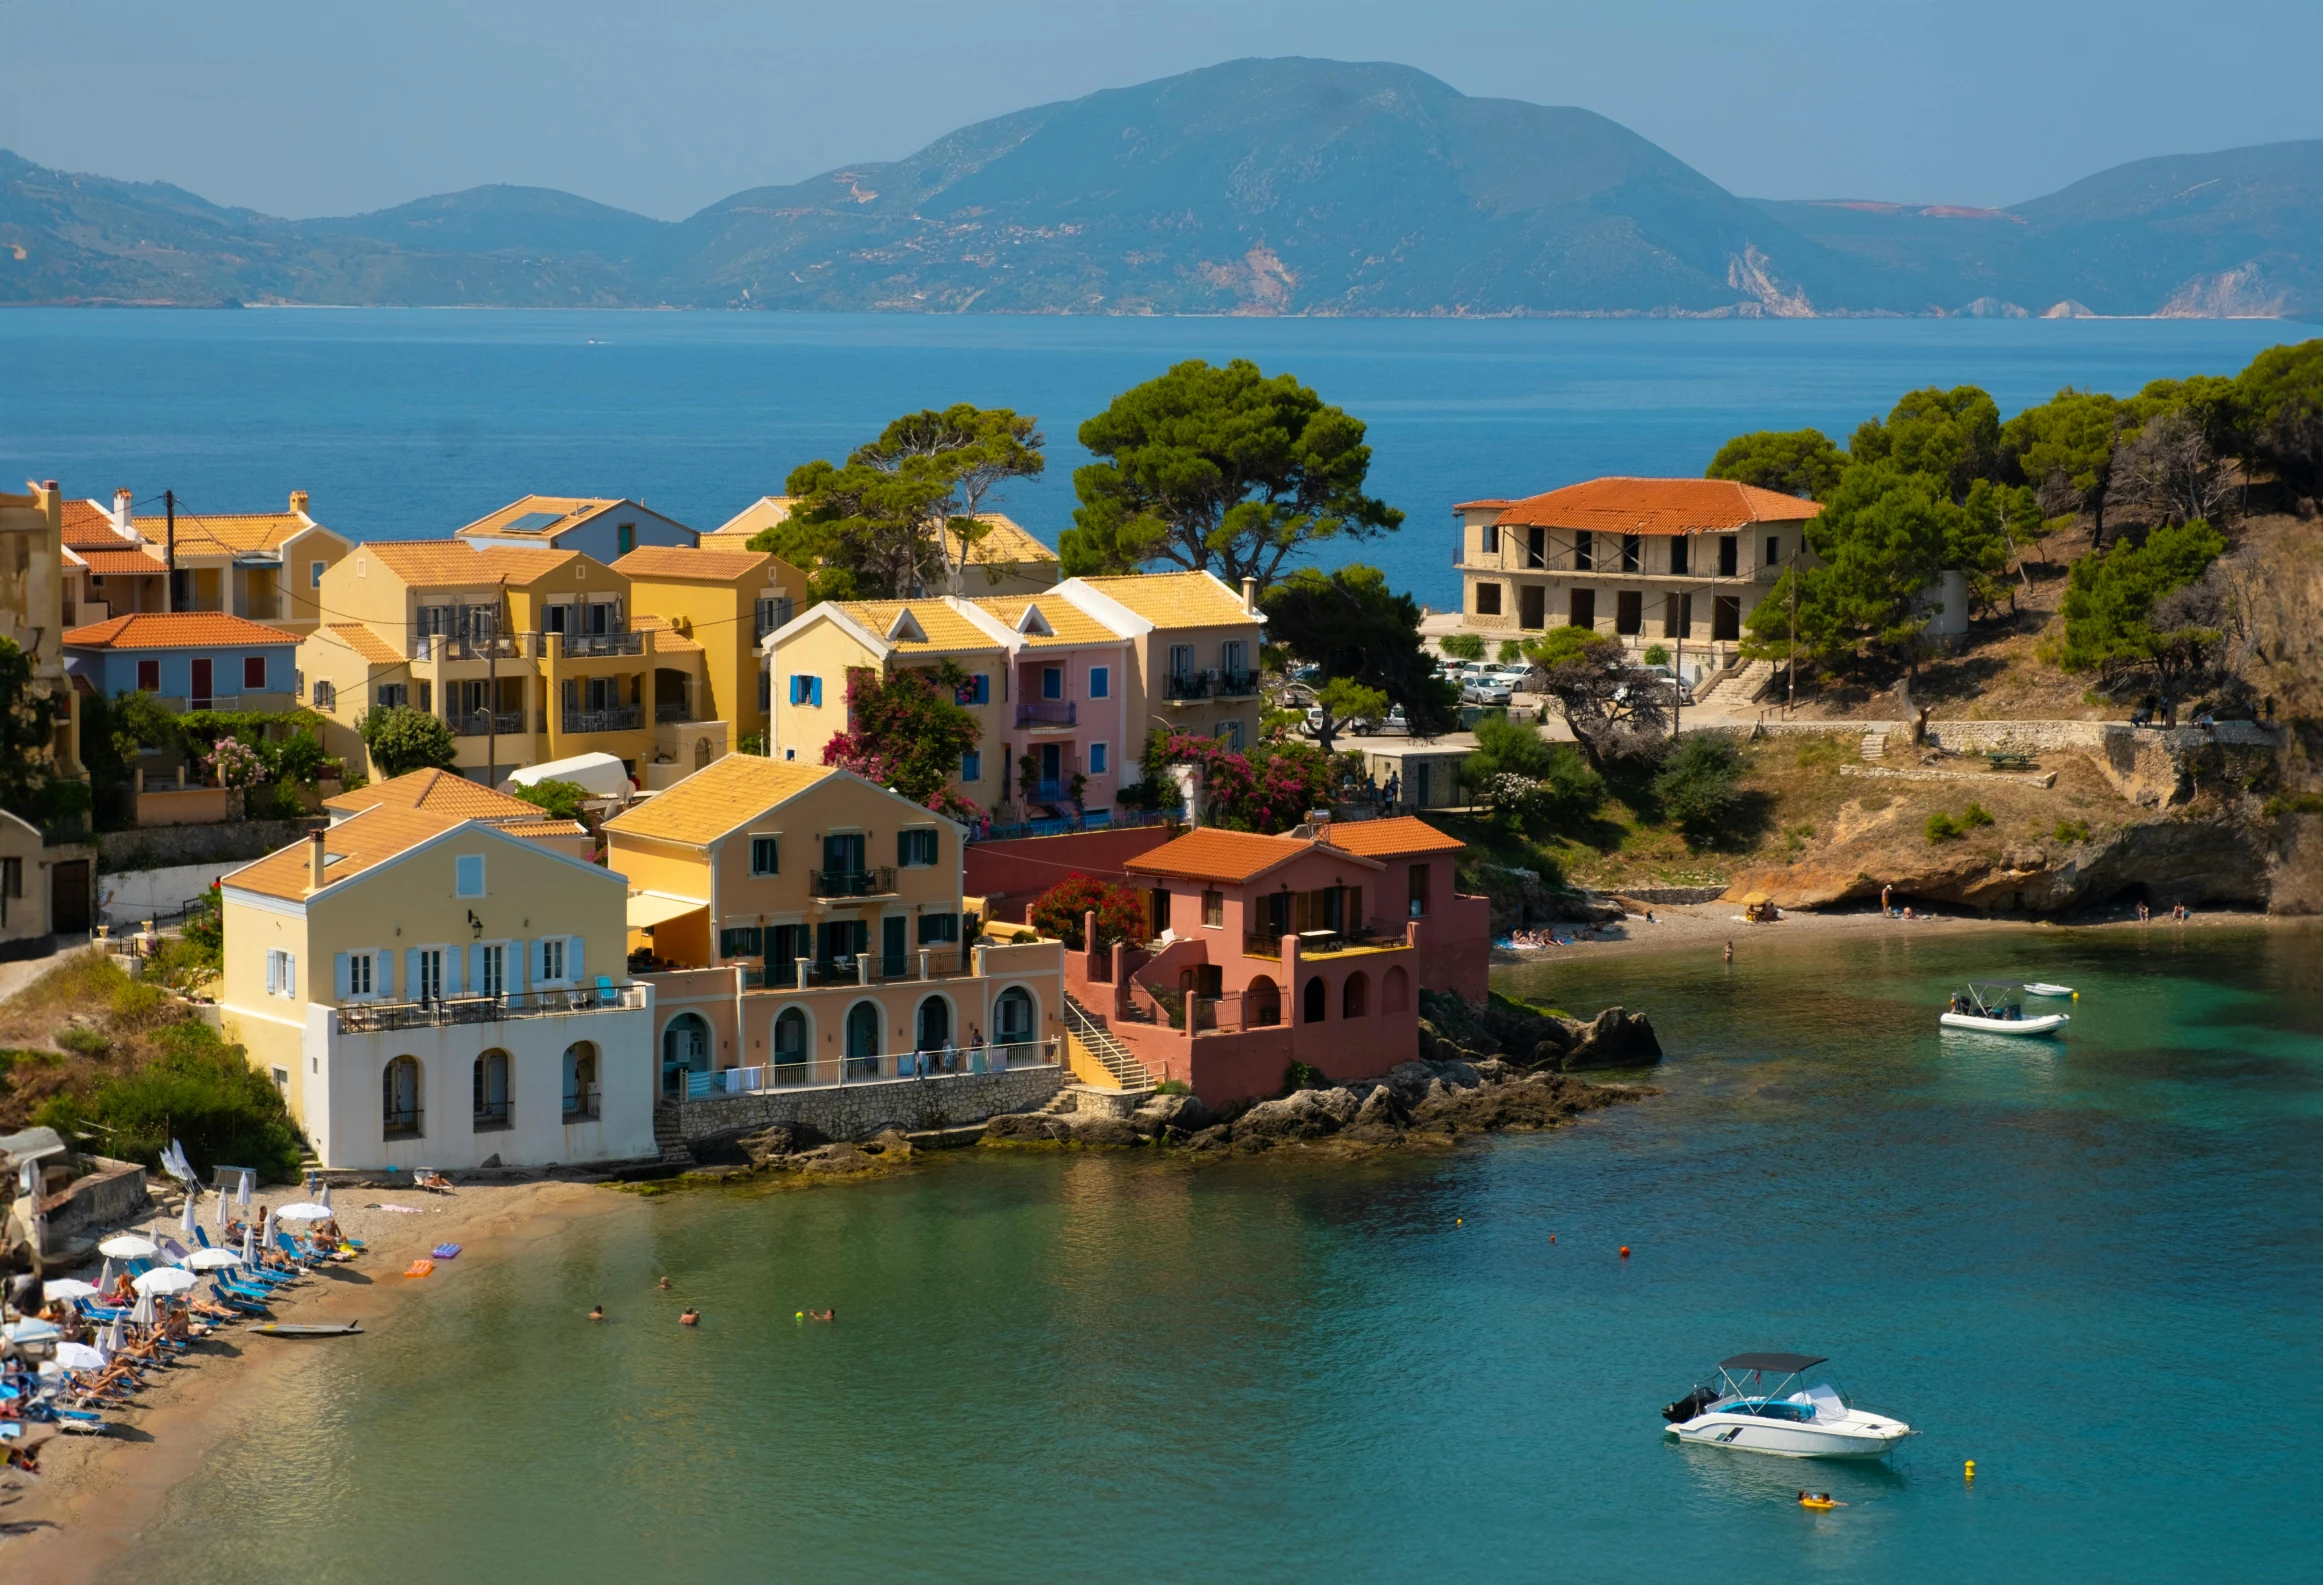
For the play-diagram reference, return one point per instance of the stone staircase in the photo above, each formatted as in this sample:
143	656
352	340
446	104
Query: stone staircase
1874	745
669	1134
1085	1027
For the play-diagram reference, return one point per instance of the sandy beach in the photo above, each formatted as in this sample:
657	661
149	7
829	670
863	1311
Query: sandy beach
95	1495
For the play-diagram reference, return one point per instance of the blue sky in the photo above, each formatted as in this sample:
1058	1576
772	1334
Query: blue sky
303	107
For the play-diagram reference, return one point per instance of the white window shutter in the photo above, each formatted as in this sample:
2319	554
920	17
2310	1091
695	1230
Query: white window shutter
384	984
290	974
339	983
573	960
273	970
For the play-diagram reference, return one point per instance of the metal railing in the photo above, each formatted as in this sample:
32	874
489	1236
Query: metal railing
483	723
377	1017
492	1115
1237	684
1044	712
401	1124
582	646
620	718
869	968
893	1067
1088	820
586	1108
1185	685
851	883
475	646
666	713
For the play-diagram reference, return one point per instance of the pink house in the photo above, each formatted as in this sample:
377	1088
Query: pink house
1069	676
1268	950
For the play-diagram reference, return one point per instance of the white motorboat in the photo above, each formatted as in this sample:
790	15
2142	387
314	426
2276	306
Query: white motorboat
1998	1009
1758	1406
2044	988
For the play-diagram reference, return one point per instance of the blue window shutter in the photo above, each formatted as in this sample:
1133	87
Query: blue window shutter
411	970
573	959
383	975
815	688
452	971
519	967
476	967
339	976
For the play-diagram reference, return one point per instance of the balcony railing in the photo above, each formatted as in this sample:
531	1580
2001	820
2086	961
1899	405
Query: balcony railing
851	883
485	723
1044	712
586	1108
875	968
582	646
478	646
826	1071
1185	685
664	714
1237	684
619	718
362	1018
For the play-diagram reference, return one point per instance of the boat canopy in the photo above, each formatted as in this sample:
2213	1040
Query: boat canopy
1785	1363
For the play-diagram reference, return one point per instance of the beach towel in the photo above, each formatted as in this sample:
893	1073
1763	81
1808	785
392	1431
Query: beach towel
445	1251
419	1268
400	1210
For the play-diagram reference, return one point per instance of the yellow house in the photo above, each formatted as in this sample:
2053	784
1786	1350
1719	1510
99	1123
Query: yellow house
442	792
1193	650
264	566
429	990
529	655
726	600
47	884
802	926
1005	559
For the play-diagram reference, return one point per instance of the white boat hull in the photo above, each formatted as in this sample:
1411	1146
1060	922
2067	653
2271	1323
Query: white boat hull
2045	1024
1858	1436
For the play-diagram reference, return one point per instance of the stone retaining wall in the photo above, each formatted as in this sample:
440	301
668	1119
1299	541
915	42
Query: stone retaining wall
167	847
859	1111
1666	896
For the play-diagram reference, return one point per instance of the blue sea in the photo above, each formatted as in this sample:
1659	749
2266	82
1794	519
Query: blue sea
409	423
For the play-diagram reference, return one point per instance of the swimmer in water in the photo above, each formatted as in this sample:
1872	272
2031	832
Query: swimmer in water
663	1284
596	1312
689	1316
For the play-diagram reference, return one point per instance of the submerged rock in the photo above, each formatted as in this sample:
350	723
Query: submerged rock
1616	1038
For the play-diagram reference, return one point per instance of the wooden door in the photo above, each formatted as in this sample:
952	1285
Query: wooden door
198	697
68	897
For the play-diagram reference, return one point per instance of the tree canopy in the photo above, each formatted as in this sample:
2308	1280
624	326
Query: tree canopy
1350	623
1222	470
403	739
1882	539
1615	710
1952	436
1794	461
2117	617
2064	450
1528	781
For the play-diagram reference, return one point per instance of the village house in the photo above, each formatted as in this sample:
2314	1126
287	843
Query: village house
800	926
190	660
443	792
1193	650
603	529
261	566
529	654
726	599
1644	561
1004	559
47	875
429	990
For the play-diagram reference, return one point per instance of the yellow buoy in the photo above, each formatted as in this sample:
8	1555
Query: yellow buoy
1971	1472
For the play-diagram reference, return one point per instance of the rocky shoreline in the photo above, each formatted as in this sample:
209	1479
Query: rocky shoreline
1504	1067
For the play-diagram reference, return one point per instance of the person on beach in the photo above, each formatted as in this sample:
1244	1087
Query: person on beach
689	1316
1886	901
1730	951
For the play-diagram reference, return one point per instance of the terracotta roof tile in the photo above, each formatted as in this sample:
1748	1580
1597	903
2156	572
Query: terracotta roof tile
668	640
532	829
119	563
1210	854
1657	506
756	518
1069	624
223	533
674	561
365	643
437	792
1488	504
716	799
437	563
563	510
354	845
175	630
1176	599
1006	540
1391	838
946	629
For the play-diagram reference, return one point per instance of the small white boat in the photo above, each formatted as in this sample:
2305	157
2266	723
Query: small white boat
1745	1413
1998	1009
2044	988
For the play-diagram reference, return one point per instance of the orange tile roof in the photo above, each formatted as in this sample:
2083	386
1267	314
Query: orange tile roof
534	829
675	561
119	563
88	526
438	792
352	846
437	563
1210	854
1657	506
1068	623
568	511
756	518
1006	540
667	639
365	643
1391	838
1176	599
1488	504
716	799
223	533
175	630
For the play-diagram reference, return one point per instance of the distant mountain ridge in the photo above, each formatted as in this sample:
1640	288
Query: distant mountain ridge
1257	186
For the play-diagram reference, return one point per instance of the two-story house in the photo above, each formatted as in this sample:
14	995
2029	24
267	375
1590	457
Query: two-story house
725	599
443	793
1646	561
428	990
47	877
596	527
193	660
529	654
802	926
1193	651
262	566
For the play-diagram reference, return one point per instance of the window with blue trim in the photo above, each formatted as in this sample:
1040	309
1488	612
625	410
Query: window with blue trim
806	690
1099	759
1100	682
971	766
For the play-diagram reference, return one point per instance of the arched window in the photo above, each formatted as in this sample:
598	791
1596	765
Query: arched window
790	1039
863	1041
1013	1016
1395	991
1317	1001
399	1096
1354	995
685	1048
491	1087
583	1096
1261	1004
935	1023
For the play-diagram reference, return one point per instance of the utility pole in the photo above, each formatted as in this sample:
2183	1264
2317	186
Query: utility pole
169	553
1791	681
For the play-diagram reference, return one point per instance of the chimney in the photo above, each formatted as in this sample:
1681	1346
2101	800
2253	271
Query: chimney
121	499
314	861
1250	596
298	503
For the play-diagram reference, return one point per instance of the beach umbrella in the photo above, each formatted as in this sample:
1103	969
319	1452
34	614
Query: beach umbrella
111	1341
242	1191
163	1279
325	1197
304	1211
192	1215
30	1332
128	1246
210	1260
106	1276
249	1244
144	1313
80	1356
68	1288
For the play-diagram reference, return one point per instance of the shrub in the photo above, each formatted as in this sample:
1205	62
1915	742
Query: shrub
1524	778
2294	804
1975	815
235	764
402	740
200	1091
1511	652
1464	646
561	800
1120	911
1303	1076
1656	655
1947	828
81	1040
2072	831
1173	1087
1698	787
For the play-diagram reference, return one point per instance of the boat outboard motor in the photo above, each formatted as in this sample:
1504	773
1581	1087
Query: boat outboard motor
1689	1406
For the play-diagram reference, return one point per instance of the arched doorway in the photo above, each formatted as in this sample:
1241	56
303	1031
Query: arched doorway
790	1045
1013	1019
1355	996
685	1048
935	1023
584	1100
399	1098
863	1041
1315	1002
1261	1004
491	1090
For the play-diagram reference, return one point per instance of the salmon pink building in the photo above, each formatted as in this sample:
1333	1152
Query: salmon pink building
1311	947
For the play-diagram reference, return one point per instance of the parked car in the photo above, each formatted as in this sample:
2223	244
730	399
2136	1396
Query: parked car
1488	691
1313	726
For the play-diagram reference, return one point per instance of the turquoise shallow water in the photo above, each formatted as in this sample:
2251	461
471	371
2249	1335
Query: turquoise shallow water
2092	1267
410	423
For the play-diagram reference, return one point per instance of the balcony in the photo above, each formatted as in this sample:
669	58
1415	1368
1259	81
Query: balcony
1183	687
262	607
364	1018
1237	685
618	718
1044	712
819	1072
851	883
666	714
943	963
484	646
589	646
487	723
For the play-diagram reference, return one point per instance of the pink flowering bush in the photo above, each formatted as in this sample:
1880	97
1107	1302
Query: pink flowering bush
235	764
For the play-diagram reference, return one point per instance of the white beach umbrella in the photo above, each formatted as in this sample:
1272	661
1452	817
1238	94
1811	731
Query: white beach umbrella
163	1279
304	1211
30	1331
211	1260
68	1288
144	1313
105	1277
242	1191
111	1341
192	1216
249	1244
325	1197
80	1356
128	1246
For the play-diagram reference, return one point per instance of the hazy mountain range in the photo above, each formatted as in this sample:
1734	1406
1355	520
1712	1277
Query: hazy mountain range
1258	186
